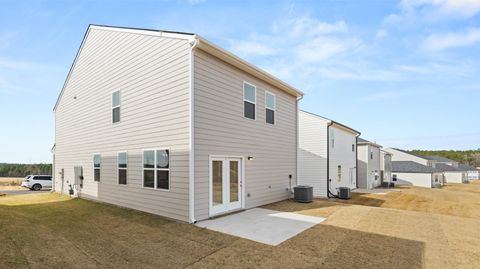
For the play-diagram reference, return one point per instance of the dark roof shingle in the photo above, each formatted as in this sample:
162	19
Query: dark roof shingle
411	167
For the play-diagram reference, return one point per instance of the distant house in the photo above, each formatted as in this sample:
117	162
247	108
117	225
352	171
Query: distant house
472	172
171	124
326	150
417	174
385	166
451	172
368	155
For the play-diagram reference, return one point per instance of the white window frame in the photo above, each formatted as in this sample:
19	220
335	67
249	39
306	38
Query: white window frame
245	100
119	106
274	107
122	168
99	168
155	169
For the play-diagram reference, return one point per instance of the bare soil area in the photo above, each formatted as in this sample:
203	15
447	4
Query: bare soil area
369	231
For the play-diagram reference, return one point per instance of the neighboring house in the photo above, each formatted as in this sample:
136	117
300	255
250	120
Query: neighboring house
449	168
171	124
368	155
472	172
417	174
326	150
385	166
443	160
452	174
403	155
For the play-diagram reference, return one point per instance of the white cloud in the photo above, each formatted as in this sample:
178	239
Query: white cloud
433	10
381	33
297	46
436	42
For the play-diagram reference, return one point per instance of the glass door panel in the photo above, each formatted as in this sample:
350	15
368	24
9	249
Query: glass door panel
217	183
234	179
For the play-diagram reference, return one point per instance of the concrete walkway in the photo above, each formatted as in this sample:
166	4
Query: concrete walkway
262	225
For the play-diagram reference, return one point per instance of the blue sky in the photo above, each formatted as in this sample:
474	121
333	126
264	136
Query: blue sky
404	73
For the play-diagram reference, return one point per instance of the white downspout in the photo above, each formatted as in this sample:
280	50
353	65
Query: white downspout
191	164
298	127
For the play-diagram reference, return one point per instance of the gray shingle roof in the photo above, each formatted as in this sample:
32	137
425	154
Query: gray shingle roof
438	159
364	141
411	167
447	168
466	167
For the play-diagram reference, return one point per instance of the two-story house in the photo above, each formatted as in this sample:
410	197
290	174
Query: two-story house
171	124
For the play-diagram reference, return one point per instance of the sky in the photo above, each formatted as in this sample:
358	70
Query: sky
405	73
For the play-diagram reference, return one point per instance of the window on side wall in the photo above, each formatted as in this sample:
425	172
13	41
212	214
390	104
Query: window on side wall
371	154
156	169
122	168
353	147
270	107
332	137
249	100
97	163
116	107
339	173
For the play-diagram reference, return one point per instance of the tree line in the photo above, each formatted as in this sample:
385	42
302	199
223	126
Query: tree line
468	157
22	170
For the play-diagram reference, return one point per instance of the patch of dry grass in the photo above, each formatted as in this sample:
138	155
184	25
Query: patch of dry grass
75	233
10	183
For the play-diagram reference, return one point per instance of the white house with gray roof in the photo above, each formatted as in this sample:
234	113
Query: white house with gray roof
416	174
171	124
327	154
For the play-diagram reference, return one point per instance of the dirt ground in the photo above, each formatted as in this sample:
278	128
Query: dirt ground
51	231
10	183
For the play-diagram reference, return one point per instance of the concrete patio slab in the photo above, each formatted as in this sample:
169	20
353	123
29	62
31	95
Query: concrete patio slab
262	225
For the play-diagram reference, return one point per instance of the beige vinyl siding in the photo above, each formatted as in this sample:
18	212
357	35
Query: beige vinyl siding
363	156
221	129
152	74
312	152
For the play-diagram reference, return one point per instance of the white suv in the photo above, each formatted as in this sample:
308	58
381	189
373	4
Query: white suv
37	182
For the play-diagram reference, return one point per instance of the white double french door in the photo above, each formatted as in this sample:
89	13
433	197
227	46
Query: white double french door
225	184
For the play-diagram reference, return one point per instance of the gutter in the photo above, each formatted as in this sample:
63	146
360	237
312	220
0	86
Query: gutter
191	157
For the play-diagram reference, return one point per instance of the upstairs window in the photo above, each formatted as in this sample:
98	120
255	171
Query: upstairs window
371	154
156	169
97	162
353	147
122	168
116	107
249	100
270	104
332	137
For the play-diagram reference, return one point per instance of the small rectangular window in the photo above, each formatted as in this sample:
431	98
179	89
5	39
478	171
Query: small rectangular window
156	169
371	154
249	100
97	161
339	173
270	106
116	106
332	137
122	168
353	147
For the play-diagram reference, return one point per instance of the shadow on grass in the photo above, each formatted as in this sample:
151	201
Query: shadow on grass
78	233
